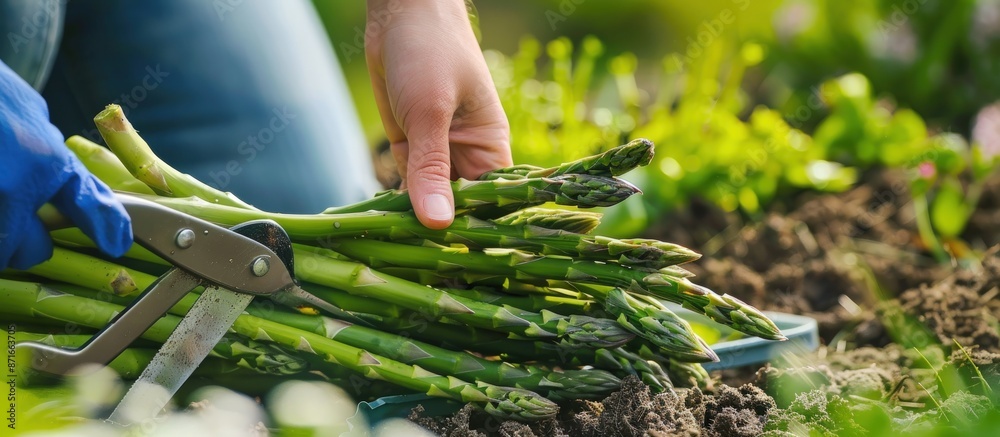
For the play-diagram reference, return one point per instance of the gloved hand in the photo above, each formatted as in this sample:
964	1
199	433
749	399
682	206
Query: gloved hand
36	167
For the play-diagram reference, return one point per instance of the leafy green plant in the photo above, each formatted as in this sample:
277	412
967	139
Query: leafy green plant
946	173
714	146
910	49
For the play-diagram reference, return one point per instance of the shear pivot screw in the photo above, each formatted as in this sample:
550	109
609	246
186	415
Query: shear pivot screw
185	238
260	266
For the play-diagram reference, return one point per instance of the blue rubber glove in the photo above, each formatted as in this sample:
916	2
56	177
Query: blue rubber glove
35	168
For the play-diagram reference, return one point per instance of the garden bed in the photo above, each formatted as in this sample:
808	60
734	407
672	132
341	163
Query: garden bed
911	346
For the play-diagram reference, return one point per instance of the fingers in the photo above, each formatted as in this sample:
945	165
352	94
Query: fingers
32	245
91	206
428	169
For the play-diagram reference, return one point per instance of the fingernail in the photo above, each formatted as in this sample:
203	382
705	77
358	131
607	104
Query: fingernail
438	207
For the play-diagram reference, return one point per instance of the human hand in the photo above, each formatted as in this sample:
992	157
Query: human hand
437	101
36	167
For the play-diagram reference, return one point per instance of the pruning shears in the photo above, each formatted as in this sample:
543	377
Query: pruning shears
233	265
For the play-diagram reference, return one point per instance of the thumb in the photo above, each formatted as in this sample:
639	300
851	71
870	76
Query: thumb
428	173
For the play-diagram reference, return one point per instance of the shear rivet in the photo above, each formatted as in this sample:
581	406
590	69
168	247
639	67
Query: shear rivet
185	238
260	266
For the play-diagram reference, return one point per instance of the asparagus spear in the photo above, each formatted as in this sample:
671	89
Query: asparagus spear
613	162
139	159
360	280
584	191
263	358
618	361
509	403
105	165
526	266
568	384
130	363
688	374
660	326
133	152
87	271
481	234
580	222
535	302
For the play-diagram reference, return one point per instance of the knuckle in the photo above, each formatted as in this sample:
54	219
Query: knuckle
433	111
432	164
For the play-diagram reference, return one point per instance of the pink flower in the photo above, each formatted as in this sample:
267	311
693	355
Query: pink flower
986	131
927	170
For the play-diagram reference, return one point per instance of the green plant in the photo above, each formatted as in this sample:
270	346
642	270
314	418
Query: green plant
713	145
717	148
935	56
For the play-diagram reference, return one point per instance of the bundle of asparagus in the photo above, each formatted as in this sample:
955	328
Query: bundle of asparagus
513	307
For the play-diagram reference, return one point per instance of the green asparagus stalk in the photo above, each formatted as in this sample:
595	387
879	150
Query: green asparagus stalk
535	302
618	361
481	234
660	326
260	357
87	271
577	221
139	159
584	191
359	279
504	402
97	314
526	266
131	362
132	150
128	364
105	165
569	384
650	372
613	162
466	230
688	374
74	238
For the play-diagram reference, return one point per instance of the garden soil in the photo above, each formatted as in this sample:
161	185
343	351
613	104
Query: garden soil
907	342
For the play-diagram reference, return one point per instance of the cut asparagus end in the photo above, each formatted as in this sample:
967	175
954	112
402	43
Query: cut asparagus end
130	148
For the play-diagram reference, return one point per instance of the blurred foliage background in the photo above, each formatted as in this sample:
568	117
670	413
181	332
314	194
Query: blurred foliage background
749	101
939	57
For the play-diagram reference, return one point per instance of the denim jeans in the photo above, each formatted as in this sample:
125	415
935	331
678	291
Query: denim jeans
245	96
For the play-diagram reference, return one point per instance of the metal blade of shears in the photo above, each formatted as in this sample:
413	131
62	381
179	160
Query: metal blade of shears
198	332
